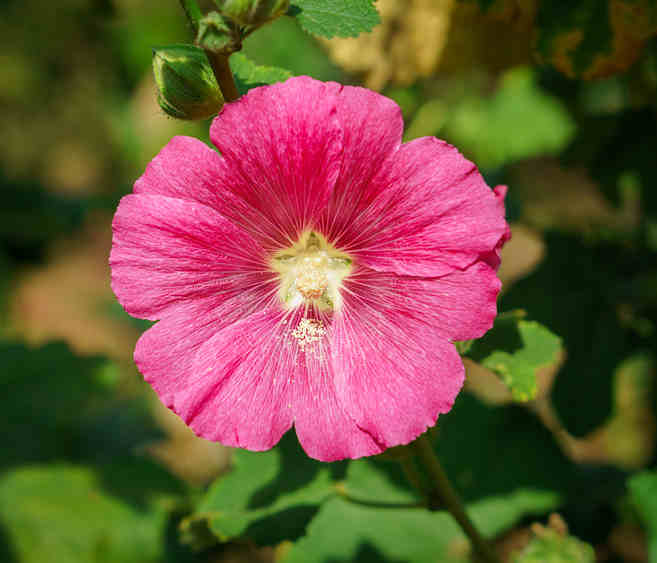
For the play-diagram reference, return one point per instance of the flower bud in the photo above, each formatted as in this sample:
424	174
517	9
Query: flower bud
218	34
187	88
253	12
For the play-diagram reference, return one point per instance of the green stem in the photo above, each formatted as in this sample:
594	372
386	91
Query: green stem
450	499
193	12
224	75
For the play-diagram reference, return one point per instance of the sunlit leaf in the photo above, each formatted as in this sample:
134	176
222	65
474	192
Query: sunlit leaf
643	494
519	121
249	75
515	349
268	496
330	18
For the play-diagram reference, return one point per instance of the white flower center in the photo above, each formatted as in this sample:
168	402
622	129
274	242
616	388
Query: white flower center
311	272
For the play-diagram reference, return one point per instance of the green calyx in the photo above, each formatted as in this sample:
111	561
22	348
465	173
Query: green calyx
252	12
218	34
187	88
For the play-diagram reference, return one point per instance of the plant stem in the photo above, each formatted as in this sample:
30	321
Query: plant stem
450	499
193	12
224	75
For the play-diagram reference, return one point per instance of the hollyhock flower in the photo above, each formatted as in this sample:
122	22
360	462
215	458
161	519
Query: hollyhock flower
314	274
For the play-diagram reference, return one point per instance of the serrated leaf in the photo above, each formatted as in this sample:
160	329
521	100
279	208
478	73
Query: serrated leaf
268	496
330	18
62	514
250	75
643	494
515	349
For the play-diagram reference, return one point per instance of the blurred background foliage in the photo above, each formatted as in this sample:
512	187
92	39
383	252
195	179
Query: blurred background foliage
557	100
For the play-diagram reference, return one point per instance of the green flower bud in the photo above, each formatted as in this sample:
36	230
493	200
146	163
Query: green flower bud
218	35
187	88
253	12
553	545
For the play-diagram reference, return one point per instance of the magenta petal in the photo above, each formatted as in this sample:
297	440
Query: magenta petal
165	352
324	428
283	146
461	305
240	390
493	257
167	251
185	168
395	375
434	214
373	128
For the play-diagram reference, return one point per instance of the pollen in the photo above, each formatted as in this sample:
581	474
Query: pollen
308	331
311	272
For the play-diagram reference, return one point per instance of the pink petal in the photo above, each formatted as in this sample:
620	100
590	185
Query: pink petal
283	147
325	430
244	385
185	168
461	305
434	213
395	375
373	127
493	257
239	388
165	352
168	251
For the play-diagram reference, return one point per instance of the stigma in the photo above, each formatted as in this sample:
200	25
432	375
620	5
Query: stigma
311	273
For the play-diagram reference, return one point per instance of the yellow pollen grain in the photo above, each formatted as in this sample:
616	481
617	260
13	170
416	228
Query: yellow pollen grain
308	331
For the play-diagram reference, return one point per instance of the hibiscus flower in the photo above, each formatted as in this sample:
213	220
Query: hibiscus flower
313	273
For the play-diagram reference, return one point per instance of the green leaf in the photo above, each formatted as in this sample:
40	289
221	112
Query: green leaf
60	514
268	496
250	75
515	349
519	121
328	18
345	531
57	405
643	494
583	310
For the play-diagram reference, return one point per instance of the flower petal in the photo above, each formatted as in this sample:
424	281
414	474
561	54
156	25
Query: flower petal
372	127
165	352
167	251
461	305
283	146
433	214
493	257
324	428
247	383
394	374
239	387
185	168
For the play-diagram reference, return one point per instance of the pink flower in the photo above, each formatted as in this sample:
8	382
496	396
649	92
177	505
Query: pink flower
315	274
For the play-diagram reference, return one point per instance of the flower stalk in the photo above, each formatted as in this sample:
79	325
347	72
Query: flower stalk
449	499
224	75
218	61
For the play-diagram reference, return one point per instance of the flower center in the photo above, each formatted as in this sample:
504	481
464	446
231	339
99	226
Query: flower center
311	272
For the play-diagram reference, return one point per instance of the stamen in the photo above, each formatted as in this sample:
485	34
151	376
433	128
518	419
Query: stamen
308	331
311	272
